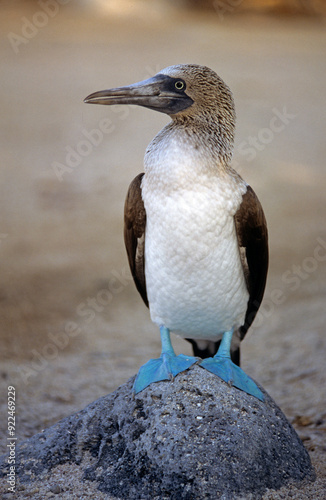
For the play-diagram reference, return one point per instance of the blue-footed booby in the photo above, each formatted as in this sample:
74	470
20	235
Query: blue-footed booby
195	231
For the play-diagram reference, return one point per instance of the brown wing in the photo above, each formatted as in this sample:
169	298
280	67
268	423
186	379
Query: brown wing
134	234
252	236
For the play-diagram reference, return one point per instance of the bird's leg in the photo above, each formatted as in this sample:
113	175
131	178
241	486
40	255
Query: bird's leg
166	367
222	366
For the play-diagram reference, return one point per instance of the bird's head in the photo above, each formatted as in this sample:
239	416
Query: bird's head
179	91
186	92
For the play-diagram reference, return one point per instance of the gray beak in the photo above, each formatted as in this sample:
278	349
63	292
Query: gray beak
158	93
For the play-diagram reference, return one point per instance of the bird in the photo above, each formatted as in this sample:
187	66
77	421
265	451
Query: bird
195	232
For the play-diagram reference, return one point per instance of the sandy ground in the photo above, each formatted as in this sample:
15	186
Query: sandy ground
73	327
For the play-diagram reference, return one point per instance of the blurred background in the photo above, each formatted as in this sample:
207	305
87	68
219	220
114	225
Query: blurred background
73	327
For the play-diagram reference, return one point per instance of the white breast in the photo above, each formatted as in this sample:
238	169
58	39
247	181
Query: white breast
194	277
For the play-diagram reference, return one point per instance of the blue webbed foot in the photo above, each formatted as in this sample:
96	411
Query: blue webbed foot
166	367
222	366
232	374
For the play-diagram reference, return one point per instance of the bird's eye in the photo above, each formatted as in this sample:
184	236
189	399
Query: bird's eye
179	85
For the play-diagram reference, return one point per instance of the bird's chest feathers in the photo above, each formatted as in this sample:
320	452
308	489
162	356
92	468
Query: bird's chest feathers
192	264
188	194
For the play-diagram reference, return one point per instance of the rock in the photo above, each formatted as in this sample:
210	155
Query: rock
193	438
